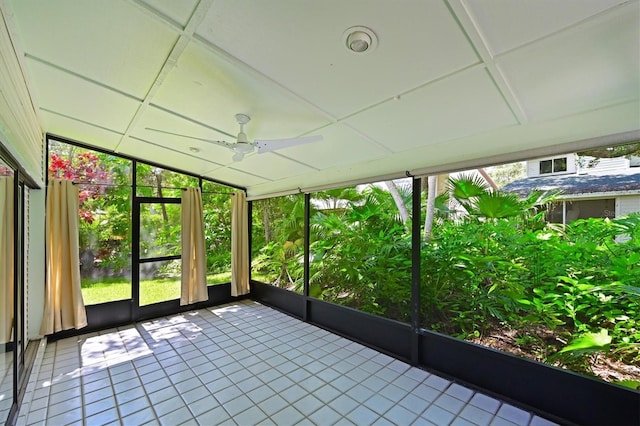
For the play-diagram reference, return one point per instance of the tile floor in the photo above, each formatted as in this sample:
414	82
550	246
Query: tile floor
6	384
243	364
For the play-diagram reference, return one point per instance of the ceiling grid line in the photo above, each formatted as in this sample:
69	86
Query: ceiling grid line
97	126
178	152
236	61
83	77
574	27
465	19
446	84
191	120
158	16
171	61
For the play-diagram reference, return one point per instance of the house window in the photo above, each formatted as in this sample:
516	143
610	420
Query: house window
556	165
560	165
546	167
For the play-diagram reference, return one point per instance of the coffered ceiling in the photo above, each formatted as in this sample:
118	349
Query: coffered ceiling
447	83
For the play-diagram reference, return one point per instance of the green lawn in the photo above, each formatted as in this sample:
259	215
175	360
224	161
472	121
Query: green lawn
151	291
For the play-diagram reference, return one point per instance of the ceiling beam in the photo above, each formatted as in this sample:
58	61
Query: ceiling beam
183	40
465	19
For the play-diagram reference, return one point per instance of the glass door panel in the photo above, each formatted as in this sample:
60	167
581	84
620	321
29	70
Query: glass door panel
7	288
159	281
159	230
159	254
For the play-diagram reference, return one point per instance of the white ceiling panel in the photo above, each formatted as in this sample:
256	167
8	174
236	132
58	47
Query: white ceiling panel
270	166
75	97
237	177
299	44
157	119
506	24
448	81
593	65
79	131
178	11
166	156
217	156
341	145
108	41
489	148
209	89
457	106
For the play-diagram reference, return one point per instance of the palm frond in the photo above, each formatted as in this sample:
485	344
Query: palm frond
499	205
465	187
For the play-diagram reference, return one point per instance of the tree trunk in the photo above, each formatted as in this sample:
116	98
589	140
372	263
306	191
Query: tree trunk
486	177
431	206
397	198
165	216
266	222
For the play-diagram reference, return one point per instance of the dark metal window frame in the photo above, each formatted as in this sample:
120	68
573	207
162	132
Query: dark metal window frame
552	166
125	311
21	361
562	395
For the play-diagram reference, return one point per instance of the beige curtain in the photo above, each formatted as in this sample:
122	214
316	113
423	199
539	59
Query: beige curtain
64	307
194	261
239	245
6	258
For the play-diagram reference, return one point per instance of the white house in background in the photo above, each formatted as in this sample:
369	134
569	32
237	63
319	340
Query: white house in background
607	187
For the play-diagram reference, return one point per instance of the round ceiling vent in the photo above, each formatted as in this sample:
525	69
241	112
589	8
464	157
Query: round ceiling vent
359	40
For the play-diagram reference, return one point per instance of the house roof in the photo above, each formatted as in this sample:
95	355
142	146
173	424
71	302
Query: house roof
578	184
446	84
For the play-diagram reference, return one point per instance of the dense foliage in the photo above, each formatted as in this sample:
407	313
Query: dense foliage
105	189
563	293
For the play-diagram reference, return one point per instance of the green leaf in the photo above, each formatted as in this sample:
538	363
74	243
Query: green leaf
499	205
589	342
468	186
632	384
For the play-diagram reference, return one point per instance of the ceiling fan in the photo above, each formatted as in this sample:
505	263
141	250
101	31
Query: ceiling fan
242	146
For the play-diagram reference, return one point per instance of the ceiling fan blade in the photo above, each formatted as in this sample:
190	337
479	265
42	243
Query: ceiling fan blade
274	144
219	143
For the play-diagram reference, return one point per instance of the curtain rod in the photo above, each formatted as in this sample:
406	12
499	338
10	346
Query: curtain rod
145	186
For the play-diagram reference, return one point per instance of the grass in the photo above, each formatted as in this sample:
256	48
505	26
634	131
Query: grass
151	291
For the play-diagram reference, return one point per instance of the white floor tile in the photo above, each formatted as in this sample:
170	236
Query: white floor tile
218	366
362	416
308	404
99	406
485	402
251	416
343	404
449	403
438	416
514	414
134	406
400	415
287	416
203	405
103	418
176	417
393	392
476	415
273	404
325	416
260	393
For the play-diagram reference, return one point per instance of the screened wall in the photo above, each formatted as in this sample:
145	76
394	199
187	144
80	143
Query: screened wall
130	229
469	256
